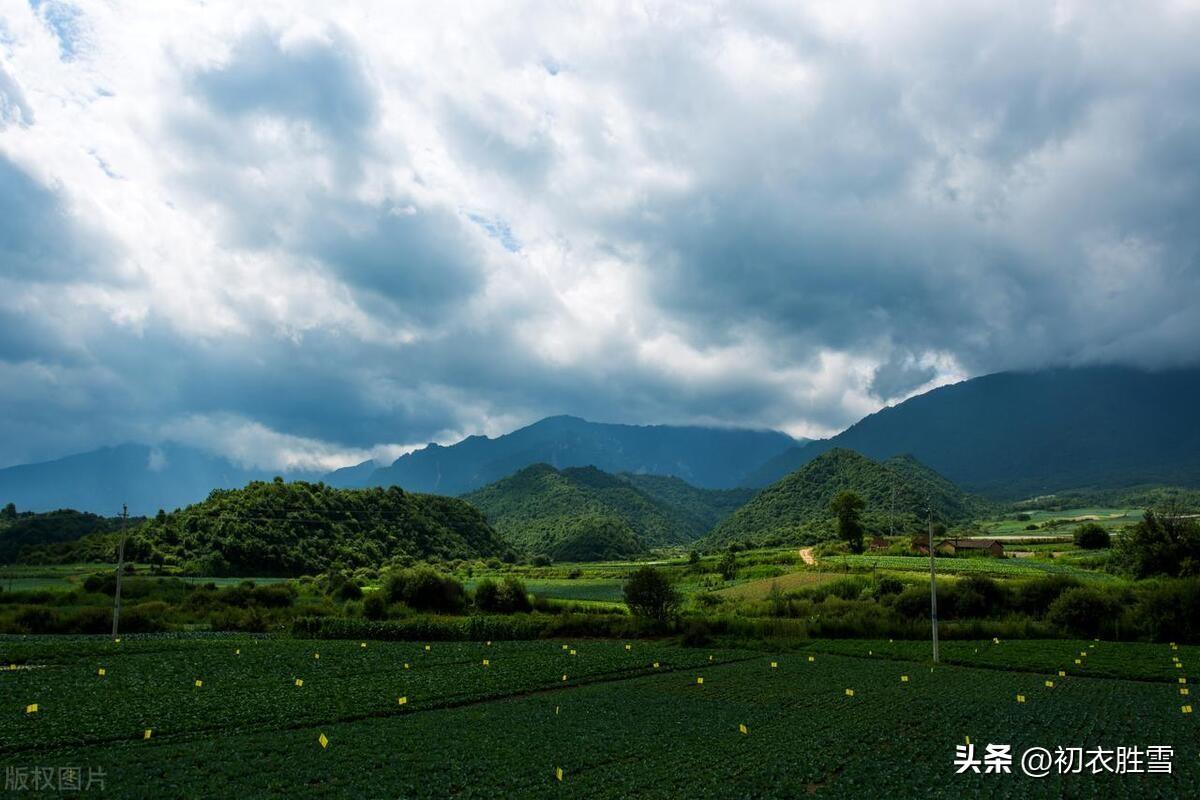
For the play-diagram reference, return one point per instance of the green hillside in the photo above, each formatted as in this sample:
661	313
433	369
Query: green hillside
538	507
278	528
796	508
706	506
19	532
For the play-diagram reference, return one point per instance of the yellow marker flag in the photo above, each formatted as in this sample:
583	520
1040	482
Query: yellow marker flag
1049	684
199	683
904	679
656	665
744	729
628	647
1083	653
774	665
406	665
564	677
1077	661
995	640
237	652
316	655
402	701
1062	673
811	658
1186	709
1183	690
323	740
558	773
556	709
849	693
485	662
1178	665
146	734
426	647
710	658
572	652
364	644
870	652
1183	680
117	641
299	682
489	644
967	739
31	708
699	681
101	672
1020	698
565	647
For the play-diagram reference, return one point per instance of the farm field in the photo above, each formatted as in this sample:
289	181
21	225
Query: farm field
1110	518
759	589
617	727
1001	567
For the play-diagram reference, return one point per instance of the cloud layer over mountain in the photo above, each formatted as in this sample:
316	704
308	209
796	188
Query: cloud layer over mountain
341	229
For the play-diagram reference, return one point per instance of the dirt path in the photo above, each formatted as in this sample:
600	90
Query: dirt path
806	554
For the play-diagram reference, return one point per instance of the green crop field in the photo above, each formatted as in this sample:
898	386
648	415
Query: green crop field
1110	518
1002	567
617	727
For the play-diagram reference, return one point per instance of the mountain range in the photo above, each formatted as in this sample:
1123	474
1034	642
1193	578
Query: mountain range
1006	436
710	458
1022	434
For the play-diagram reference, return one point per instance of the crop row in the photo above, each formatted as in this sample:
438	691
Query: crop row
664	734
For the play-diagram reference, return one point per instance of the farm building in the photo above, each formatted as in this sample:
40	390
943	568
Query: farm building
879	543
993	547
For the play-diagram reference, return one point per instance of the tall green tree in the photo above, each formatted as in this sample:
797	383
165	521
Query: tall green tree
847	507
649	593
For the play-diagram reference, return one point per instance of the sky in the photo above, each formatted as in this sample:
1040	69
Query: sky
306	234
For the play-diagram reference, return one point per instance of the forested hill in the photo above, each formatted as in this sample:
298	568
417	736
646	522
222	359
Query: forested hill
21	531
796	508
278	528
705	457
706	506
1014	435
539	507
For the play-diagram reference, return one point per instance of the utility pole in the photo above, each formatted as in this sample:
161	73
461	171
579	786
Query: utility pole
932	586
120	569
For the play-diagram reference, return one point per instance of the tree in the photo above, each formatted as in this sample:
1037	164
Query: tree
846	507
9	512
649	594
727	566
1161	544
1091	536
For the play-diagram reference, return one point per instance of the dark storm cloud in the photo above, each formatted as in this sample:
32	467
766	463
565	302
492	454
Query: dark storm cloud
40	239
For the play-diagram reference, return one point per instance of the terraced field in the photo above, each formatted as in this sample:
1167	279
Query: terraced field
617	727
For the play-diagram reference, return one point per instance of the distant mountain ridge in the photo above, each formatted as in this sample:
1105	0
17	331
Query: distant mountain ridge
145	477
709	458
896	491
1019	434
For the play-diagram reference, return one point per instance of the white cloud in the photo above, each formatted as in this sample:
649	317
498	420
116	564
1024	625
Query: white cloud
327	227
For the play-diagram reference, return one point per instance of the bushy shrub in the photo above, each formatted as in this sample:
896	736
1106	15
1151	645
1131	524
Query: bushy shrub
1082	611
506	597
425	590
1035	596
374	606
1091	536
649	594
